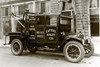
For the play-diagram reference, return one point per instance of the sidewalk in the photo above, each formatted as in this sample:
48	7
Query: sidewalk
95	40
2	41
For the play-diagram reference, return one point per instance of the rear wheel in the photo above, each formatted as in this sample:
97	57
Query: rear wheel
16	47
32	49
74	51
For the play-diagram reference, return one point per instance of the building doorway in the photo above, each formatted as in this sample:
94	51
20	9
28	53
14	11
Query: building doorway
94	25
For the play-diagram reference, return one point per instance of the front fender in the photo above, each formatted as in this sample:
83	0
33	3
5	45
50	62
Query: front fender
67	39
73	39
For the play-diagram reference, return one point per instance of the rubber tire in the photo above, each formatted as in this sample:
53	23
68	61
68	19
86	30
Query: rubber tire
80	47
32	51
21	47
92	50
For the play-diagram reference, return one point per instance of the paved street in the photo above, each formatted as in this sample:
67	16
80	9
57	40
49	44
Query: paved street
42	59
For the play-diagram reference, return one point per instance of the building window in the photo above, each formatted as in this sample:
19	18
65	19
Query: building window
42	7
6	11
68	5
97	3
22	9
94	3
63	7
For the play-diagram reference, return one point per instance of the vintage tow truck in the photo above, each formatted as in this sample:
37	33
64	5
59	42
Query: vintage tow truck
41	31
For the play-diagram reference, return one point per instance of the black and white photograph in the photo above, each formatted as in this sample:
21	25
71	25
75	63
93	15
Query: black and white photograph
49	33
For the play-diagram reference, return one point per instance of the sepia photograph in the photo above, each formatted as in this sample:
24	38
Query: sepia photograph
49	33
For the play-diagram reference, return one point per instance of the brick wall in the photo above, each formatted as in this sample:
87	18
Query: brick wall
54	6
82	16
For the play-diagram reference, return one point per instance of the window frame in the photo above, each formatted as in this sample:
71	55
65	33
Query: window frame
22	8
91	4
6	11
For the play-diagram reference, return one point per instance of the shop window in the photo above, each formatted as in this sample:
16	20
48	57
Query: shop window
22	9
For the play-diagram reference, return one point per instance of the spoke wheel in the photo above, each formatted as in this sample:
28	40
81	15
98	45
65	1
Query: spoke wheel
74	51
16	47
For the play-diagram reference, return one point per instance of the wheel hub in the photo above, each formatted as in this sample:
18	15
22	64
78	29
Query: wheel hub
73	51
16	47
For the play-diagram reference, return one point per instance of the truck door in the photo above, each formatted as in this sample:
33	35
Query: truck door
65	22
65	25
51	30
40	26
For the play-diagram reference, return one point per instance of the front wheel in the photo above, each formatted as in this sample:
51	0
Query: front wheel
74	51
16	47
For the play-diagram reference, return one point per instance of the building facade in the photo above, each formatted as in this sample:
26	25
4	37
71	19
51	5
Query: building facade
94	18
90	20
8	23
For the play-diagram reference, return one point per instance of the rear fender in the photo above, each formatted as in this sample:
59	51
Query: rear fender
17	35
14	36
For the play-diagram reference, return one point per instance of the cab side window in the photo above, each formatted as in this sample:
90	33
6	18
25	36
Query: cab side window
47	20
40	20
